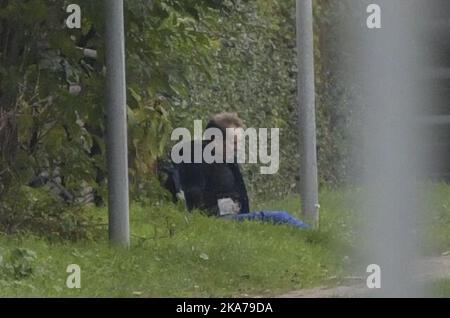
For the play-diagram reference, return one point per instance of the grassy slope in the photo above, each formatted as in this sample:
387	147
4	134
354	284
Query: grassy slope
177	255
441	289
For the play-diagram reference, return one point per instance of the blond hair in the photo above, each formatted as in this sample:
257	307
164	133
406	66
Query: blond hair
226	120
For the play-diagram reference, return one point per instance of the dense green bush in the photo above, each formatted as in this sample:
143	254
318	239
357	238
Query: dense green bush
37	211
254	73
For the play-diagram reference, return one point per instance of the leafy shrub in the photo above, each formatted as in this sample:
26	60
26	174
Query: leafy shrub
36	211
18	264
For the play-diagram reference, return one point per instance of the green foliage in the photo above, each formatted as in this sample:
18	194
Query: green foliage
186	59
44	128
254	73
17	265
39	212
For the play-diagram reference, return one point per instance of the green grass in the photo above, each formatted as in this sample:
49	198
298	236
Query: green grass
441	289
174	254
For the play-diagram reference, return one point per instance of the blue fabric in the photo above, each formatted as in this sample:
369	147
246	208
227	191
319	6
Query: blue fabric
275	217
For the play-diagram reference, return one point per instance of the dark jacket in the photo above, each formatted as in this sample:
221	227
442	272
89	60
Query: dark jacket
204	184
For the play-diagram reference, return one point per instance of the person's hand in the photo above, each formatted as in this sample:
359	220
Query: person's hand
236	207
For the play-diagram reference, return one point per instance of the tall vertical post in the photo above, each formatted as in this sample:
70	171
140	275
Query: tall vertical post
306	112
116	125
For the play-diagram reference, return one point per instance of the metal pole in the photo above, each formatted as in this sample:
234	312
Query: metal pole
306	112
116	125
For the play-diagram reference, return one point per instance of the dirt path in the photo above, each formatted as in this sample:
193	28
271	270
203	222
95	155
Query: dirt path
436	268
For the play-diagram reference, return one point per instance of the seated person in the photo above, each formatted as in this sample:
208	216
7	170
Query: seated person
219	188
